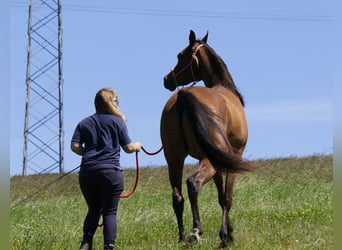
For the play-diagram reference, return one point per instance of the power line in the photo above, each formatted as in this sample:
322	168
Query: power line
187	13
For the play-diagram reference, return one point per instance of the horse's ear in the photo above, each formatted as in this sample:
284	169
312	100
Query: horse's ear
205	38
192	37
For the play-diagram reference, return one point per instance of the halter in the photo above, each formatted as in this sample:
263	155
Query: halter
193	58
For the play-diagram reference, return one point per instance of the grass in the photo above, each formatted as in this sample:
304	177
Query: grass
286	204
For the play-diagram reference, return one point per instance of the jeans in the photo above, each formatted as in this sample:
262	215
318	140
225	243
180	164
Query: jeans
101	190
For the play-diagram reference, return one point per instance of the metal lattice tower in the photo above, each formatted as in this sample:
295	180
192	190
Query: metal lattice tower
43	127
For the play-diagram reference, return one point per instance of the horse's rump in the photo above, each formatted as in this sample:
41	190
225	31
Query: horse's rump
207	124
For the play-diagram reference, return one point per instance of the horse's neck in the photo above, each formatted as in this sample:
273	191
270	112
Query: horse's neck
225	81
217	72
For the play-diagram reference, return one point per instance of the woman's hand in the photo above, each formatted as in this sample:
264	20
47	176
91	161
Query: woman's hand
132	147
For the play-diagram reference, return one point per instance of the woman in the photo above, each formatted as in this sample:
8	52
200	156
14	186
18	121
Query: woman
97	139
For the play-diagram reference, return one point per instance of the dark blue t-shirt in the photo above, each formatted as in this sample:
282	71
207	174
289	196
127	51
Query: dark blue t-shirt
101	135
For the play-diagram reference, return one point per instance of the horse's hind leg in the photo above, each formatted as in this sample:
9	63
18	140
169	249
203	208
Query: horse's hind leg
225	195
195	183
175	175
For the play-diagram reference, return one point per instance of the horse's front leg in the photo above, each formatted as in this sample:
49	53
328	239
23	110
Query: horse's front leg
225	195
204	173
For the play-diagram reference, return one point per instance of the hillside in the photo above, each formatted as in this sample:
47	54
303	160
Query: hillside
286	203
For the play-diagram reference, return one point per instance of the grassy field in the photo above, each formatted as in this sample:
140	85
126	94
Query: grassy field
286	204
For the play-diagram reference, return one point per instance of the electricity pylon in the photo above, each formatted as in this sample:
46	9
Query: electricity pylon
43	125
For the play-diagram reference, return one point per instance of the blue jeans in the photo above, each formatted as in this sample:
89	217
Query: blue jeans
101	190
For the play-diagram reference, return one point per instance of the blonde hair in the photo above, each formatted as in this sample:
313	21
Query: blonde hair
106	102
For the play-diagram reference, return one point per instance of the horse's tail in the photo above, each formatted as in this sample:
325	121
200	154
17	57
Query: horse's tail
201	119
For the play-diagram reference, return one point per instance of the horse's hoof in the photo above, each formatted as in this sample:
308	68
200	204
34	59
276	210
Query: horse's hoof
223	245
194	236
226	243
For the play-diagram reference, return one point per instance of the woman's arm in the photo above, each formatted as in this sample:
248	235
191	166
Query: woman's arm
77	148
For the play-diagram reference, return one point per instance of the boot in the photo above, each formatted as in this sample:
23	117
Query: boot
85	245
109	247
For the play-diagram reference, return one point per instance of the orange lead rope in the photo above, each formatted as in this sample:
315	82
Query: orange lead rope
136	174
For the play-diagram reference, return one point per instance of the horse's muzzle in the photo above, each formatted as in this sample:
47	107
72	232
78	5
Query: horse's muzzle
169	82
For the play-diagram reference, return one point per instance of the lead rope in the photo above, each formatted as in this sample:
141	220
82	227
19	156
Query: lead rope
137	170
124	196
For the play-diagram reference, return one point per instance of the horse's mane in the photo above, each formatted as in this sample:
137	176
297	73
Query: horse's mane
221	70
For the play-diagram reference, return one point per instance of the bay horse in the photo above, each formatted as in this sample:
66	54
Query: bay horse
208	123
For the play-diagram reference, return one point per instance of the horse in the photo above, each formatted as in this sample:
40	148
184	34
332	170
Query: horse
209	124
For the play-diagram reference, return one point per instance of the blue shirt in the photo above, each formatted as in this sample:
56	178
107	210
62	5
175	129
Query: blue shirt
101	135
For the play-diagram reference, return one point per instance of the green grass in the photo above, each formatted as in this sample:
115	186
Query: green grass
286	204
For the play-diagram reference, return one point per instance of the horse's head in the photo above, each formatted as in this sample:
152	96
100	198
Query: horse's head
187	68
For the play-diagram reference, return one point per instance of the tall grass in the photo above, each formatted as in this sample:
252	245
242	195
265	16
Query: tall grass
286	204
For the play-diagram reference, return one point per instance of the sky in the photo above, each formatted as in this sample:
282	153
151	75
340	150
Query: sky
281	56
